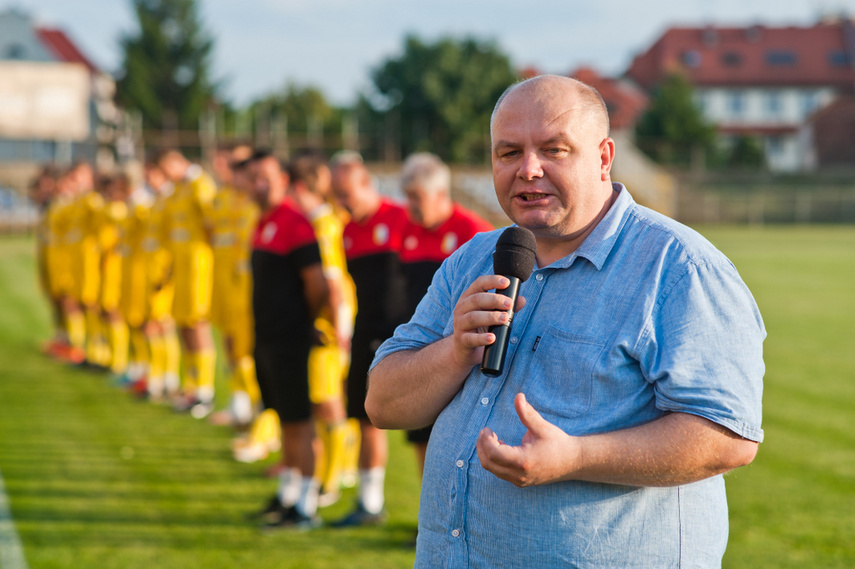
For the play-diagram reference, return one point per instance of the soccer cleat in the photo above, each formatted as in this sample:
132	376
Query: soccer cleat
273	507
292	519
328	498
201	409
250	452
361	517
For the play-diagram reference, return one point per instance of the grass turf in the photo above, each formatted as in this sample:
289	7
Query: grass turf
97	479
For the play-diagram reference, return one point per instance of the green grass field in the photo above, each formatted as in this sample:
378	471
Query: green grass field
97	479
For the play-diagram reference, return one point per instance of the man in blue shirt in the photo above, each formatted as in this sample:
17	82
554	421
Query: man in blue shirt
632	381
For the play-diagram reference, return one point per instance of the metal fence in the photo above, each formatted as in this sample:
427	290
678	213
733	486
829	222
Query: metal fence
772	207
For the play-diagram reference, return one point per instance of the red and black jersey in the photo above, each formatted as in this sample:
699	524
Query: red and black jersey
373	248
284	243
424	249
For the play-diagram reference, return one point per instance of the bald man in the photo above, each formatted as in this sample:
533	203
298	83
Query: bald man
632	379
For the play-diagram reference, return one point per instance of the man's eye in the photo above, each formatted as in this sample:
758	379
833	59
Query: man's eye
510	153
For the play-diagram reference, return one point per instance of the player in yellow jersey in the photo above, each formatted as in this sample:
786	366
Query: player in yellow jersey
188	220
58	258
163	345
132	299
85	261
328	362
41	192
234	217
115	191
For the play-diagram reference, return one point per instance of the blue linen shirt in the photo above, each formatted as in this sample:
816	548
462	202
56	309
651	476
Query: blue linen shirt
644	318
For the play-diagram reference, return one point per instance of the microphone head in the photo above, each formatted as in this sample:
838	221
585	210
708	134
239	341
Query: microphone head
514	256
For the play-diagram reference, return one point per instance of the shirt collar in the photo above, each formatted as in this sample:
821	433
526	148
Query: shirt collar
599	244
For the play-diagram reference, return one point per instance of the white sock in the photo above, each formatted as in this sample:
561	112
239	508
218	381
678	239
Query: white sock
371	494
307	504
241	407
172	382
290	481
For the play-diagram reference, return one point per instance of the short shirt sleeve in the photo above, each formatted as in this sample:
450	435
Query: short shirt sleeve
702	349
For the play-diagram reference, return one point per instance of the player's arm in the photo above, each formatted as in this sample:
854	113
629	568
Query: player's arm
678	448
408	389
315	288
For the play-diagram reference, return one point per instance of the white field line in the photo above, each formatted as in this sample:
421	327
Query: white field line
11	551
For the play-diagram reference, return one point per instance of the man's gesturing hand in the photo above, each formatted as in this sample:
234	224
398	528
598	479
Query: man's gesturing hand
546	454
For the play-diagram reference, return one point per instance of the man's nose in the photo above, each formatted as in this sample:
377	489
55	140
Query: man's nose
531	167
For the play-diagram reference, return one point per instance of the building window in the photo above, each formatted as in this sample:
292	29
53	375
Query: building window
773	103
809	102
838	59
731	59
774	145
691	58
736	103
780	58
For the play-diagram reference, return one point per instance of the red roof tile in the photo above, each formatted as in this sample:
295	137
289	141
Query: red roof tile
63	48
823	54
624	102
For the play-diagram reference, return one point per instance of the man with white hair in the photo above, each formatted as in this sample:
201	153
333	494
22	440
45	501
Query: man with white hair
438	227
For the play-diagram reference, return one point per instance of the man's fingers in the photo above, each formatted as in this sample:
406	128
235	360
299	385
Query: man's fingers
529	416
493	451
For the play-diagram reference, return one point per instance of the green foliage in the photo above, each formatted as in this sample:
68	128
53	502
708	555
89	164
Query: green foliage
746	152
673	127
305	109
167	65
438	97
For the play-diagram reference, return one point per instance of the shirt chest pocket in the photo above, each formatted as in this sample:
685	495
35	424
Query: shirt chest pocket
559	379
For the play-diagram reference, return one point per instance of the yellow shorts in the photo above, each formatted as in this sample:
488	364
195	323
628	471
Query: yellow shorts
133	297
60	275
327	369
222	292
192	278
87	272
111	282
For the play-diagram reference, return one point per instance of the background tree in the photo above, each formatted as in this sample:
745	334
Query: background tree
310	119
746	152
438	97
673	128
166	65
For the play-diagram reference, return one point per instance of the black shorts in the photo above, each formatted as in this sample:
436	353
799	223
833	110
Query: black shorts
363	347
282	368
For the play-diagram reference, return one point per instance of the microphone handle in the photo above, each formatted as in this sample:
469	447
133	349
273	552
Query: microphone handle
494	354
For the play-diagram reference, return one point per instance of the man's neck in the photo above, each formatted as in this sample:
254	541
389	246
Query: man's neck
372	206
551	249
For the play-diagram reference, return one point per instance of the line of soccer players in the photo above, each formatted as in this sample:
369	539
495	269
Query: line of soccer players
136	275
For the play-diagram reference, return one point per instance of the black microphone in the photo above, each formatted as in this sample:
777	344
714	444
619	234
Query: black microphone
514	259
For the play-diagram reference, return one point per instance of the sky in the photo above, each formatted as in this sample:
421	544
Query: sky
262	45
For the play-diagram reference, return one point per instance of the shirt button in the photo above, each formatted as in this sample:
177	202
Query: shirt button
484	401
459	464
455	533
538	277
514	340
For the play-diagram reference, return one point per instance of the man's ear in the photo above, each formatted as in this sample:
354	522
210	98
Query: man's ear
607	156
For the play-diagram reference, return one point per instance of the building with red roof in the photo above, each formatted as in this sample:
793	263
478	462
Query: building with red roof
758	80
58	106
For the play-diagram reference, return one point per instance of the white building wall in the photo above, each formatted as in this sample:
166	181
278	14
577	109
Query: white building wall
767	107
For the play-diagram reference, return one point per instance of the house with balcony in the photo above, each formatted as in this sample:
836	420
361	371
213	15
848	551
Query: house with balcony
760	81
